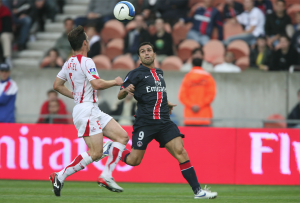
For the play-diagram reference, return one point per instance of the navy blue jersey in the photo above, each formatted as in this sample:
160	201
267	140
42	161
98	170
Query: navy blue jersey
151	95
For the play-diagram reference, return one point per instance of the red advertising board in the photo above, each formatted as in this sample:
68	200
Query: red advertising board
219	155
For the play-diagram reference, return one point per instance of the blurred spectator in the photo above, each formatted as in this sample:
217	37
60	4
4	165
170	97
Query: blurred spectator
285	56
276	23
296	41
52	96
295	114
6	35
232	9
53	108
162	41
62	44
198	90
125	110
297	19
22	10
187	67
149	10
204	20
44	9
98	13
228	66
94	41
135	37
264	5
253	20
172	10
260	55
60	5
52	60
8	94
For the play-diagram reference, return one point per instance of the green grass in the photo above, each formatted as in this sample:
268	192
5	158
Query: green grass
41	191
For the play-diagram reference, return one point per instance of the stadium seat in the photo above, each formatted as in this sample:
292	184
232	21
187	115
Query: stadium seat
194	8
179	32
231	29
114	48
292	10
213	50
218	60
102	62
243	62
185	48
239	48
171	63
123	62
278	124
112	29
130	26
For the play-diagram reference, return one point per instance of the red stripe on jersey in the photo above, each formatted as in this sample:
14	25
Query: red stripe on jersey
94	96
82	92
95	76
79	58
156	110
7	86
87	129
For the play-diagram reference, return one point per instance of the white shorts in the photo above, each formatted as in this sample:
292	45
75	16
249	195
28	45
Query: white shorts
88	119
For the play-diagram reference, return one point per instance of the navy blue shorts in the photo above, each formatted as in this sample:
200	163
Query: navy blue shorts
162	133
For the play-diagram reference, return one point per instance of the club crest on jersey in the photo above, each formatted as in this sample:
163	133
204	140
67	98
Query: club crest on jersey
139	143
93	71
161	76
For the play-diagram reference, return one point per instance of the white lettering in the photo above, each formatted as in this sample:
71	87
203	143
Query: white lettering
38	150
285	153
297	154
23	153
65	152
148	89
10	151
257	150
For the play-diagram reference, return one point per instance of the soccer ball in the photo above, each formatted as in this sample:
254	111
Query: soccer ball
124	11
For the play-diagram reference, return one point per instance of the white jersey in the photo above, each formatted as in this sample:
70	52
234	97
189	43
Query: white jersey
79	71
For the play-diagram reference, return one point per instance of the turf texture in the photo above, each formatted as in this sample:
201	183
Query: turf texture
41	192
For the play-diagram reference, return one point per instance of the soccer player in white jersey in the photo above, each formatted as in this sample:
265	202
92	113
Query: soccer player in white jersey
90	122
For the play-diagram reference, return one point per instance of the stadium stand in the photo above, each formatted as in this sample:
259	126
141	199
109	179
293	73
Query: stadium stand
278	124
111	30
239	48
123	62
171	63
114	48
214	52
185	48
102	62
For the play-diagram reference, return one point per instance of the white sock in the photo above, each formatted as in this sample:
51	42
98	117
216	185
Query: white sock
115	153
79	163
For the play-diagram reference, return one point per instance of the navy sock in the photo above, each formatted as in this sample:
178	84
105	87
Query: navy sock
125	157
189	174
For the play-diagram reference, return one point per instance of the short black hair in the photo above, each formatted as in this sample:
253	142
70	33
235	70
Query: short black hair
145	43
198	49
66	19
51	91
76	38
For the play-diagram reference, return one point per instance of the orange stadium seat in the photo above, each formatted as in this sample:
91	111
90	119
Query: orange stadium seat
123	62
243	62
231	29
102	62
292	10
185	48
114	48
213	50
239	48
111	30
279	124
179	32
130	26
171	63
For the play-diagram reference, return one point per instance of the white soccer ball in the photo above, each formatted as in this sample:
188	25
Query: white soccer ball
124	11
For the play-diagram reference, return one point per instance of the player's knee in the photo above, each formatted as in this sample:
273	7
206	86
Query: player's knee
123	138
180	151
96	155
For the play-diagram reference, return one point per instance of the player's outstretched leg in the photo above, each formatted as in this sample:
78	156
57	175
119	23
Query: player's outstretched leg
94	144
176	149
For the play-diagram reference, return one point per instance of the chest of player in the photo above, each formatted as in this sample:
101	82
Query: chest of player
150	83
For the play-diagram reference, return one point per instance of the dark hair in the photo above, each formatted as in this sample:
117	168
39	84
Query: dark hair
53	49
66	19
198	49
283	1
76	38
145	43
51	91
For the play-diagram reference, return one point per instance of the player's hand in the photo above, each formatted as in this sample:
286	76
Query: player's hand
119	81
195	108
171	106
130	89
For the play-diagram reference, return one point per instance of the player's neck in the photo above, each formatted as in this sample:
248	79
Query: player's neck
80	52
149	66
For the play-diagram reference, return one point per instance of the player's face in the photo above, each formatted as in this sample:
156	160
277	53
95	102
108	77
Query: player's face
147	54
4	75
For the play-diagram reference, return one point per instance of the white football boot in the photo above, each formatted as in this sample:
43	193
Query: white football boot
106	147
110	184
206	194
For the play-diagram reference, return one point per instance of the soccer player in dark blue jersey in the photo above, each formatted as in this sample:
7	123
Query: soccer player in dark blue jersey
152	119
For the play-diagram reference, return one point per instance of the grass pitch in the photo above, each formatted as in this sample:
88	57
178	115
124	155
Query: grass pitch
41	192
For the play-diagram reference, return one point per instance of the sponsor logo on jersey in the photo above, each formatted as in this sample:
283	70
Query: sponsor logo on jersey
93	129
139	143
93	71
156	89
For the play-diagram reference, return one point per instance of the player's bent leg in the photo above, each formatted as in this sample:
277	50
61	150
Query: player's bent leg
176	149
115	132
133	157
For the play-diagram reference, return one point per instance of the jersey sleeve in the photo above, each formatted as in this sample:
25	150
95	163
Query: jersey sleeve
62	73
131	78
90	70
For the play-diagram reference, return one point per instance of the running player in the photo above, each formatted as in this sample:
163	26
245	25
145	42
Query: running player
90	122
153	119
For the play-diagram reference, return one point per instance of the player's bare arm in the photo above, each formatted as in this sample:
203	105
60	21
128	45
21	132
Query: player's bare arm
100	84
171	106
124	92
59	85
